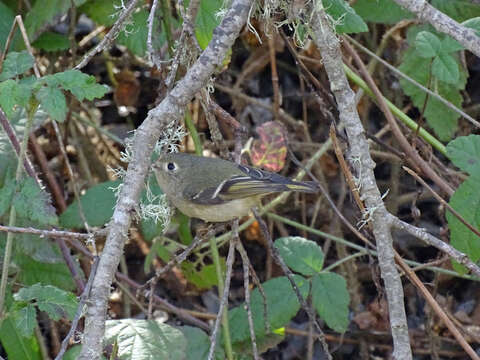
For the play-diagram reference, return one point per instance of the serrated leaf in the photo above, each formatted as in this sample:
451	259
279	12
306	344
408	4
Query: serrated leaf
270	150
50	41
301	255
81	85
33	203
330	298
146	339
53	102
97	203
466	201
207	20
25	320
428	45
13	93
441	118
345	18
33	272
54	301
7	101
381	11
198	344
282	306
459	10
464	152
16	63
445	68
15	345
134	37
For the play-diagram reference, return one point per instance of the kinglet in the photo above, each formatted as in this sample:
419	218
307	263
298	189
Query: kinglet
217	190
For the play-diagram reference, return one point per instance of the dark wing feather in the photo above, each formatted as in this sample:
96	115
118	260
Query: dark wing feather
252	182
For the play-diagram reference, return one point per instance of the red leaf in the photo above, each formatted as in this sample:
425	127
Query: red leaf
270	151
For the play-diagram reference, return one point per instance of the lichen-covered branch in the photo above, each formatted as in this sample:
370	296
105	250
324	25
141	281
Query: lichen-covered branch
170	109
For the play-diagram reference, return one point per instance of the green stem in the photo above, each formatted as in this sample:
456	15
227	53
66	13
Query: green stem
13	214
397	112
220	274
193	133
345	259
360	248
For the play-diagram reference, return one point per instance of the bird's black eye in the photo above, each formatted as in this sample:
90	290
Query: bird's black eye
171	166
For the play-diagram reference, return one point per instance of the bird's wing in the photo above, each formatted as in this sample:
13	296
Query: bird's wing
249	182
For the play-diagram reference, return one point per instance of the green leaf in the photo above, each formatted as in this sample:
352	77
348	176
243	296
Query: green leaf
6	194
202	276
16	63
6	21
381	11
39	248
450	45
459	10
33	272
34	204
54	301
207	20
301	255
441	118
466	200
15	345
50	41
25	320
101	11
81	85
184	232
7	101
428	45
13	93
45	13
146	339
282	306
74	352
445	68
53	102
198	344
464	152
134	36
345	18
474	24
330	299
97	203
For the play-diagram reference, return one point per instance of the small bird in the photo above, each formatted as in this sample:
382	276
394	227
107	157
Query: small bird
217	190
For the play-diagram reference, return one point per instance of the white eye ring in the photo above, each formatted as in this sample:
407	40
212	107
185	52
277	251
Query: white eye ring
170	166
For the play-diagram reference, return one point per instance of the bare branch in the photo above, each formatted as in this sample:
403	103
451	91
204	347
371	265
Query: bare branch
441	22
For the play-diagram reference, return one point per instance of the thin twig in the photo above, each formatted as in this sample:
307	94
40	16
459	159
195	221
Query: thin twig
80	308
223	300
108	39
246	287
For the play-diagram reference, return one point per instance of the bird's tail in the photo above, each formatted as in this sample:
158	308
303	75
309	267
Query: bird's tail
303	186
